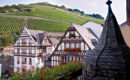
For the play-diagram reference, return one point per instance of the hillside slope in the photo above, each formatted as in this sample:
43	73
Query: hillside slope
40	18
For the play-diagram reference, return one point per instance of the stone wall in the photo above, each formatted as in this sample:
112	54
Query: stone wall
7	63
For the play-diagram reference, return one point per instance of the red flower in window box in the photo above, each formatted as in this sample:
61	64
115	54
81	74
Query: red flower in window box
41	71
10	73
75	61
44	76
72	50
29	71
63	63
52	68
47	71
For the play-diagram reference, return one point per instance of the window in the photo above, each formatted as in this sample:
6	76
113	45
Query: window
44	50
72	34
82	46
72	45
20	51
67	45
18	60
27	50
16	50
48	50
39	61
42	60
32	51
94	42
62	46
24	60
24	51
30	61
20	41
77	45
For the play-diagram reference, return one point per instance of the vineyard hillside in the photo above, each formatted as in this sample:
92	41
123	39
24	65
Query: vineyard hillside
39	18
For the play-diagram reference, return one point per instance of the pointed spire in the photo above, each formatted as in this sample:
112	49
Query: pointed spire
108	60
109	7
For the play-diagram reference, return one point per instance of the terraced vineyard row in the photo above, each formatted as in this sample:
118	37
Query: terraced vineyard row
15	25
11	24
47	25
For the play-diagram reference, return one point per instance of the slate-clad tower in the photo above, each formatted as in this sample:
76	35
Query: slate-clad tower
111	57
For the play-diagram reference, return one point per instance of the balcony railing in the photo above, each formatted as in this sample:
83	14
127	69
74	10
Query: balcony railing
76	75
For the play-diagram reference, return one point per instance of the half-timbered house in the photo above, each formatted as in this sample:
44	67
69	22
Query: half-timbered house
75	43
30	49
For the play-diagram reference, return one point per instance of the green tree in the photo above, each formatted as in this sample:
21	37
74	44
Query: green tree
6	40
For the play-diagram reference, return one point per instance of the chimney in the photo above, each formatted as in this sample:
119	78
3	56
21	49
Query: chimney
128	12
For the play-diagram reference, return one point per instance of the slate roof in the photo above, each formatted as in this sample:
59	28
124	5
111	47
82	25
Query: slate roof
54	41
39	37
86	35
110	59
95	28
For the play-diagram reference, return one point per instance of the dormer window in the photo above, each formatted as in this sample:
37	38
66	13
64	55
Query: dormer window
72	34
94	42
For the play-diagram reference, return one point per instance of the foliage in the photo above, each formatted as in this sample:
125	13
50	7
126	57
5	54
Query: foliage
10	28
6	40
96	16
76	11
7	8
52	73
6	74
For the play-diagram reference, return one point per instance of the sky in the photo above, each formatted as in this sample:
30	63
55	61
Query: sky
88	6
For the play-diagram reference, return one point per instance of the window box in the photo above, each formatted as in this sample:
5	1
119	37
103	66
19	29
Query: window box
64	71
72	50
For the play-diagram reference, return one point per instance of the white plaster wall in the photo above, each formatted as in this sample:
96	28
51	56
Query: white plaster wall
28	66
15	63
